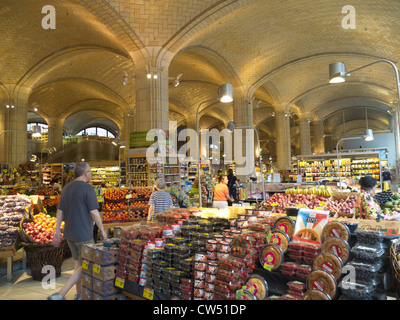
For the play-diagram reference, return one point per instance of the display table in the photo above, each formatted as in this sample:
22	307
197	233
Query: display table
9	255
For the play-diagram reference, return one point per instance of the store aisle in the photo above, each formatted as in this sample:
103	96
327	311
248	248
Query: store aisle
24	288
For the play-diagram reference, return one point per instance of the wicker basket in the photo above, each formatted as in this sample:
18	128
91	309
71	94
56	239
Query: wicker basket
41	255
395	265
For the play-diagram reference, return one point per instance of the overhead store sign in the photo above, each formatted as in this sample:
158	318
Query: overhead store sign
140	139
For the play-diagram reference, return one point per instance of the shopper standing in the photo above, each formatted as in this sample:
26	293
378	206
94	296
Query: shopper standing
369	208
233	185
160	200
221	193
78	207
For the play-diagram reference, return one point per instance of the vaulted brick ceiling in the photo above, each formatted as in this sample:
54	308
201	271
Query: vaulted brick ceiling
278	52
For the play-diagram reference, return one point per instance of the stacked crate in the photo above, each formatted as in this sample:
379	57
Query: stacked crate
99	265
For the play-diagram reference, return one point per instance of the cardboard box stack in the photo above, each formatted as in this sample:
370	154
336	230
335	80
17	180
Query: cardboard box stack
99	265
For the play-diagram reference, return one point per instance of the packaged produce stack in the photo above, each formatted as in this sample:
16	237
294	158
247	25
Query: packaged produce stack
298	270
368	260
211	275
248	244
153	259
157	274
166	287
187	289
231	275
98	271
176	282
206	188
296	290
147	251
12	211
303	252
199	274
130	255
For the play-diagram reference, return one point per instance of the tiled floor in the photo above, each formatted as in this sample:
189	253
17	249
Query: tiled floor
23	287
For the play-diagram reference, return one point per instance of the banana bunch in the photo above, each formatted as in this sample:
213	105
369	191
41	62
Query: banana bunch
324	191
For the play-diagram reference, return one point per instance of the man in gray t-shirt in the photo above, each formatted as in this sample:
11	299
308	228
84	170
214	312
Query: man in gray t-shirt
78	207
77	200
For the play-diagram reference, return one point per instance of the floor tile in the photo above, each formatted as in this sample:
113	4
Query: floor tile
23	287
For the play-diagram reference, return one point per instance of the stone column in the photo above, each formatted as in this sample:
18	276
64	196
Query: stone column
152	102
243	139
15	127
319	140
283	140
129	126
55	134
305	137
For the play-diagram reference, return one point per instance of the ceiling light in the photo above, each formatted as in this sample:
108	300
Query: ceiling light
176	83
155	76
149	76
226	93
7	106
126	80
337	72
369	135
35	109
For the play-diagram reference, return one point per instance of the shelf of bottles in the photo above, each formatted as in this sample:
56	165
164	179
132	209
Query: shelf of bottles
316	169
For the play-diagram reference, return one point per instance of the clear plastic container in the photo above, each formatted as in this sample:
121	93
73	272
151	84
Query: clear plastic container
367	253
224	296
290	266
230	275
227	287
358	290
368	237
297	286
366	272
231	262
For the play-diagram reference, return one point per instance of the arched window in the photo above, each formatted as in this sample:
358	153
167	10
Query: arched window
96	131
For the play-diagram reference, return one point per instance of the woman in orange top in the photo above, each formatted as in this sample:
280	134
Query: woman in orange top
221	193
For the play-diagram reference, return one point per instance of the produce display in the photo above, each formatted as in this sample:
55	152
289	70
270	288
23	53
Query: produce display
12	211
388	201
42	229
192	254
334	204
324	191
124	205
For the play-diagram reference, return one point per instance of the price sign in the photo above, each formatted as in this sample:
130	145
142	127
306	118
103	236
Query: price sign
96	268
85	264
119	282
148	293
128	196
